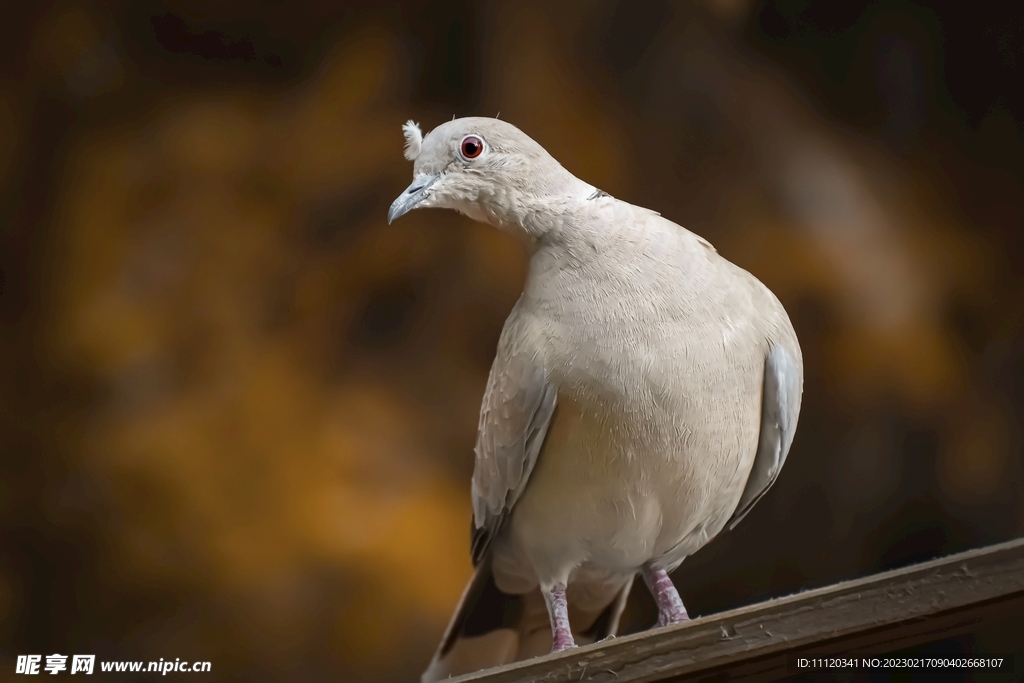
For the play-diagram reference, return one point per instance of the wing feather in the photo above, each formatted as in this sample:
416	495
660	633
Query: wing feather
517	409
780	408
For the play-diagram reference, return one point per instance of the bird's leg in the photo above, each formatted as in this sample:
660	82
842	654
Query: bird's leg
558	610
670	605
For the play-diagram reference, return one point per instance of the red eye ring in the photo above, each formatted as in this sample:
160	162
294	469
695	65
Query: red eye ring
471	147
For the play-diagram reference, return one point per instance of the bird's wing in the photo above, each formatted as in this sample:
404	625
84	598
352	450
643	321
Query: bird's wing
780	407
517	409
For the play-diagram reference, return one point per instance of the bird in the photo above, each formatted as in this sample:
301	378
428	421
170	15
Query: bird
643	397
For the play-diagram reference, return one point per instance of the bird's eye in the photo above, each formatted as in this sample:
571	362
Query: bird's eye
471	146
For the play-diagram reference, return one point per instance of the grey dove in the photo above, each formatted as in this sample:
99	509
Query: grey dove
643	398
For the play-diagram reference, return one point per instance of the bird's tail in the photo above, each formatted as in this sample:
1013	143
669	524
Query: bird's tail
491	628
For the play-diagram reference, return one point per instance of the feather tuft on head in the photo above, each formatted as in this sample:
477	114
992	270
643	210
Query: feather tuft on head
413	139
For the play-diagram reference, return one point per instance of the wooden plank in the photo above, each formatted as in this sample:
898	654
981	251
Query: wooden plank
875	614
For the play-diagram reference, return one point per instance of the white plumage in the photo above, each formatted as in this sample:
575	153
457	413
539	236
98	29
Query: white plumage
644	396
413	139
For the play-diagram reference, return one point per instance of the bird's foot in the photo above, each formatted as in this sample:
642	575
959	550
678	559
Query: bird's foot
672	616
670	605
562	645
558	609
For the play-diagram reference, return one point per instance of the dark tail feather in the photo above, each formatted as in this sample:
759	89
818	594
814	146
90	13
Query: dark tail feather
483	631
490	628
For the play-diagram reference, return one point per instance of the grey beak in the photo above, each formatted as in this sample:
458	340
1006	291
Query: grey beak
413	195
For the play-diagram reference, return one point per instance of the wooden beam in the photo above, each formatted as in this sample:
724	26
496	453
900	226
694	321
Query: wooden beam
875	614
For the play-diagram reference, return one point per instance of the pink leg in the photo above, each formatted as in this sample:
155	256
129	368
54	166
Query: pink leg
670	606
558	610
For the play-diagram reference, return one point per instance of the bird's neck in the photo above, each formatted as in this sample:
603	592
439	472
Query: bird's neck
541	214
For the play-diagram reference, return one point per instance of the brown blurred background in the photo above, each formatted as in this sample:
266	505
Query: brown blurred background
237	409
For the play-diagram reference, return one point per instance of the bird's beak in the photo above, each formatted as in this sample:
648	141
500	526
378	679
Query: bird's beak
411	198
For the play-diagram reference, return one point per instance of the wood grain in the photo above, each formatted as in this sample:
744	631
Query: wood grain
875	614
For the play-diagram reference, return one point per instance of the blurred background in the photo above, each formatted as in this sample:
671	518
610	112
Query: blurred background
237	409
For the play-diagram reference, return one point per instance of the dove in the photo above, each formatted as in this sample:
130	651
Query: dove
643	397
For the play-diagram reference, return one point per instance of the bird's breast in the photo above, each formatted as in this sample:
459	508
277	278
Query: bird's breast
656	426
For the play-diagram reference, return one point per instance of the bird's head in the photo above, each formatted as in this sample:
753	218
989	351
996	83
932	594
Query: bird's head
484	168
